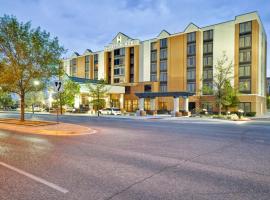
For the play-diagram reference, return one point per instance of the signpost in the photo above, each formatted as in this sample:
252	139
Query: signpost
58	87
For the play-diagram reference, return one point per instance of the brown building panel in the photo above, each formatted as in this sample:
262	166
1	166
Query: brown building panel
127	64
255	57
81	67
136	63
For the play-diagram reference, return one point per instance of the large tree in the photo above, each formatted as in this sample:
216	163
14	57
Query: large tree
98	93
26	54
230	98
221	78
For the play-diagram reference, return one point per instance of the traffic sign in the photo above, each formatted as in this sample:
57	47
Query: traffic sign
58	86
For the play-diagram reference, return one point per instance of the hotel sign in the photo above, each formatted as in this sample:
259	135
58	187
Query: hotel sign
120	44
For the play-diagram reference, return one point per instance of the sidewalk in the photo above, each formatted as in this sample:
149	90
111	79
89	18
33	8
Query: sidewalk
45	128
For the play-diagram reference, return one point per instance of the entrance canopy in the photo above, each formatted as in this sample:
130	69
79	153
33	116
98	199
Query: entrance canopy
164	94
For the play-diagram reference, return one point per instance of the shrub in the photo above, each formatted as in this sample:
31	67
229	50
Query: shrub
250	114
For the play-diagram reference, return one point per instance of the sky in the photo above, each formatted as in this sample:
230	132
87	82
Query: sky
92	24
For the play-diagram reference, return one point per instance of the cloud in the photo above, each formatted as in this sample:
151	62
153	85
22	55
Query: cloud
82	24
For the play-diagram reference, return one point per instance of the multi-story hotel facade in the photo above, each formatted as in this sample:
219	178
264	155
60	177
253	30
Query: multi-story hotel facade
179	65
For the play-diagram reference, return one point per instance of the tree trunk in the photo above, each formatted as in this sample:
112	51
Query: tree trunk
219	109
61	106
33	110
22	107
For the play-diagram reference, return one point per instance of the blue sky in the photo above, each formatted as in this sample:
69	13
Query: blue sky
82	24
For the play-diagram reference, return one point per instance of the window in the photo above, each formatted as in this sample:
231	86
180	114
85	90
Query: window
163	43
119	61
245	106
87	75
153	67
208	35
191	74
116	80
208	60
153	46
122	51
208	47
207	88
163	54
208	106
147	88
87	59
119	71
191	37
153	77
245	55
191	49
87	66
132	50
163	65
163	88
244	85
96	75
96	59
245	41
245	27
207	74
244	70
163	76
191	61
191	87
153	56
119	52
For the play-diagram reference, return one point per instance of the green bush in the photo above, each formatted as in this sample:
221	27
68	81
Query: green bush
250	114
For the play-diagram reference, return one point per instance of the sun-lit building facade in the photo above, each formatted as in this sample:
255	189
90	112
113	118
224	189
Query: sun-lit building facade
180	62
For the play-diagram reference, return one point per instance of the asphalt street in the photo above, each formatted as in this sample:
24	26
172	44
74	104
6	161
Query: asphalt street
151	159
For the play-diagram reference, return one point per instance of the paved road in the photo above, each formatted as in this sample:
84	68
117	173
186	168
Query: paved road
139	159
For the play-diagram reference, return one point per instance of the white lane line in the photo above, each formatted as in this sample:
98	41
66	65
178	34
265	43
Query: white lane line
40	180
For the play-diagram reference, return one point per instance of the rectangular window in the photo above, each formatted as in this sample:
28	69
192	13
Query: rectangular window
119	61
191	61
244	70
191	49
245	41
163	43
163	65
191	87
163	88
208	60
153	56
245	106
96	59
131	50
207	88
245	55
147	88
191	37
96	75
163	76
116	80
191	73
207	74
153	46
245	27
153	67
208	35
244	85
208	47
153	77
163	54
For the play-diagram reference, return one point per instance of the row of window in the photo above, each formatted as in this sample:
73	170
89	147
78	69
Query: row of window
119	52
120	71
245	41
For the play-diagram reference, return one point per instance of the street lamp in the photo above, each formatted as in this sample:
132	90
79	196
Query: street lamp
36	83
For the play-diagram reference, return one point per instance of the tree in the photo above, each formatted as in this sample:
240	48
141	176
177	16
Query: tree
33	99
68	95
26	55
5	100
98	93
223	75
230	98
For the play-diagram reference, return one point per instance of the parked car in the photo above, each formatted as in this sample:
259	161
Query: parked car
110	111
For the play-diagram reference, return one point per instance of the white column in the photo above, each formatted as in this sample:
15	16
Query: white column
121	100
176	104
77	101
186	104
152	104
141	104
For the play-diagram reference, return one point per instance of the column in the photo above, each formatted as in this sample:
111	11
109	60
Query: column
77	101
153	106
175	106
121	100
186	104
140	112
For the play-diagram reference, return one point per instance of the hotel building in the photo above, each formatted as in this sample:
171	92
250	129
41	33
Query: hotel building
152	74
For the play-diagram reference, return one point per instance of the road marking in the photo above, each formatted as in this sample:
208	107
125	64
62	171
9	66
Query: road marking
40	180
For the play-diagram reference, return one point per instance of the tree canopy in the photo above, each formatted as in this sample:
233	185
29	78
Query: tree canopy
26	54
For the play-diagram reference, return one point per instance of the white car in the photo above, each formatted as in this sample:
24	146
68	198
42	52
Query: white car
110	111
